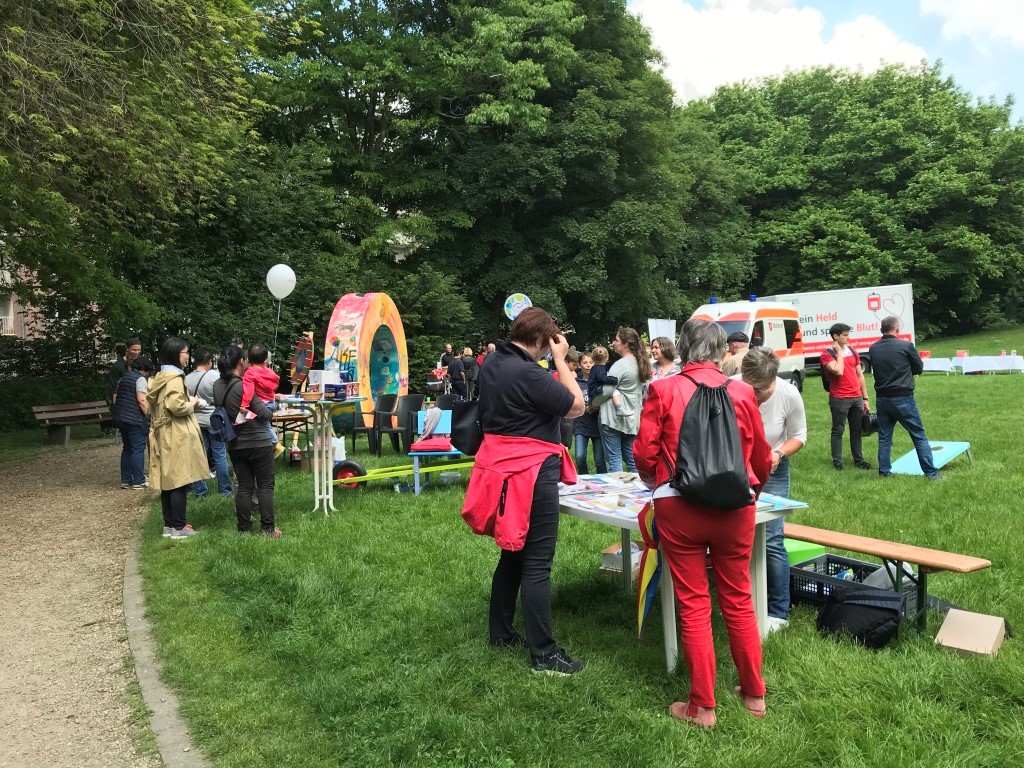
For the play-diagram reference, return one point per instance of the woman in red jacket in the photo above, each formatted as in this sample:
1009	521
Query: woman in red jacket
688	531
513	490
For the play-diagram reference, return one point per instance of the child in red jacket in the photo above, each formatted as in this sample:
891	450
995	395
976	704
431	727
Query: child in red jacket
262	382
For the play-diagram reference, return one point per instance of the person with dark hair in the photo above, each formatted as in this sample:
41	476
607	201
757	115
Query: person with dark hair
252	452
237	342
131	416
457	375
472	369
689	532
199	384
261	382
176	456
847	395
619	428
519	465
664	353
132	349
895	362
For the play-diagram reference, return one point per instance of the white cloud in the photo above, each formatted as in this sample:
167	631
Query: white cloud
735	40
979	20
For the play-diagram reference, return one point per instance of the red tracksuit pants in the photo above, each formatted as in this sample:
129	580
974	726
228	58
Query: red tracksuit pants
687	534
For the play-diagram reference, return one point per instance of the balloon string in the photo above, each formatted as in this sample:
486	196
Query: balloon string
277	323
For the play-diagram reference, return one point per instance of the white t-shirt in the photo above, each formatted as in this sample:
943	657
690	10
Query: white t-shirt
141	385
783	414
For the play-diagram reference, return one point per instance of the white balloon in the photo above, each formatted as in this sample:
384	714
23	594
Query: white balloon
281	280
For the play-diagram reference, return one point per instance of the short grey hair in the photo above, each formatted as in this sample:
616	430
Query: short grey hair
890	324
759	365
702	342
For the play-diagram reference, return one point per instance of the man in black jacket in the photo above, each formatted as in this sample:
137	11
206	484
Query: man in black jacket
895	362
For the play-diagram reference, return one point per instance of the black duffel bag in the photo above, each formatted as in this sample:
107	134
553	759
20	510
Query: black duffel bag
870	616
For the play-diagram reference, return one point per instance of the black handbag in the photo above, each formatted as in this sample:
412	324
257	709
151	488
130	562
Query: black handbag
467	434
869	423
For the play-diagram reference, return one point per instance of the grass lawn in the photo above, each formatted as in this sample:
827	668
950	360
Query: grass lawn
360	639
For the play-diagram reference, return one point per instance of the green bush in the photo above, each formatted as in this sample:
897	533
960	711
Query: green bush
19	395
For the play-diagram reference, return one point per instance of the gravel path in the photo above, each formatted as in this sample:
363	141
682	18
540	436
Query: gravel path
65	527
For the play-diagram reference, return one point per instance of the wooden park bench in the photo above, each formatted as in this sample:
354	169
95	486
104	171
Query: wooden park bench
58	419
926	560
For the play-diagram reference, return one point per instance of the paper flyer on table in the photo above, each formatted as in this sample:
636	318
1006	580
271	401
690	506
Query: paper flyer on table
600	484
626	504
769	503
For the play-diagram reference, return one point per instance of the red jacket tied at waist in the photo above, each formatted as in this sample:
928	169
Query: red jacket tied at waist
500	492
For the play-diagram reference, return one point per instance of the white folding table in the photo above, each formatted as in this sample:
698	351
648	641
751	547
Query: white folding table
758	565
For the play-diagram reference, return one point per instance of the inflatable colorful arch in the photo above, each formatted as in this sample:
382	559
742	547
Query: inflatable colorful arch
366	338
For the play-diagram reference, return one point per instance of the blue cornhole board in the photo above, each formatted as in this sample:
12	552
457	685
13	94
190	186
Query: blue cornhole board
942	454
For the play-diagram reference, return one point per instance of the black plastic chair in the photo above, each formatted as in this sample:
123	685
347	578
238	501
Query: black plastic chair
405	415
447	402
359	428
382	413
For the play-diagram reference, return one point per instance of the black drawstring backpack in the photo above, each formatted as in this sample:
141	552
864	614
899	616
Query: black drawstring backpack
710	469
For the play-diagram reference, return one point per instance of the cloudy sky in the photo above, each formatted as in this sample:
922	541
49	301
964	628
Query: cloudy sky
710	42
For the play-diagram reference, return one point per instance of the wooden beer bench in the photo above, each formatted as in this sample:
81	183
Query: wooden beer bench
58	419
927	560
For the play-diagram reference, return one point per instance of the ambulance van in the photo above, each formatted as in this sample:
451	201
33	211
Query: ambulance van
767	324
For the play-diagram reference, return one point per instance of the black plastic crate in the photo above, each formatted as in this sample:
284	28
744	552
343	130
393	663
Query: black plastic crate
812	581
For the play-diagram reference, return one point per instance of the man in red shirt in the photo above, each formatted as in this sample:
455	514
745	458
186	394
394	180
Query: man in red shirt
847	394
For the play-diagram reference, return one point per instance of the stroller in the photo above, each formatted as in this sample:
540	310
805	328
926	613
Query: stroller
439	383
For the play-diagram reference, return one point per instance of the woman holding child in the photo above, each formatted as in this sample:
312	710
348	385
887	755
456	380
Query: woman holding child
620	404
252	450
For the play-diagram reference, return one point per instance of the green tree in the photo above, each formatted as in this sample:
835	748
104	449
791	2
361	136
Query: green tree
116	118
520	145
890	177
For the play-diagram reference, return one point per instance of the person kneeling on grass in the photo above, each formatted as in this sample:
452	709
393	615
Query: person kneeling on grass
252	452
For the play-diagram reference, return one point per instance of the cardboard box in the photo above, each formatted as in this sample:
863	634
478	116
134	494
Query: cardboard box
972	634
611	558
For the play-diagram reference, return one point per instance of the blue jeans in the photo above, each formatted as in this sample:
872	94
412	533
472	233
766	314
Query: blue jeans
220	460
777	561
618	448
270	427
133	453
902	410
581	455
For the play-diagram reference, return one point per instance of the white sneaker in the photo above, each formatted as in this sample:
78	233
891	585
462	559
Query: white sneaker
774	624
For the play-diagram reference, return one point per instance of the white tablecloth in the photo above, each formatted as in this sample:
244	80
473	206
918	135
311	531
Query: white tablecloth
990	363
937	364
